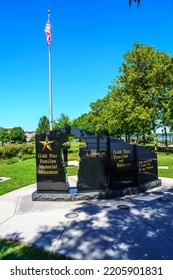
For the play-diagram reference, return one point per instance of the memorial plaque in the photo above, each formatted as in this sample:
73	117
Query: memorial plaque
51	172
92	173
147	165
122	171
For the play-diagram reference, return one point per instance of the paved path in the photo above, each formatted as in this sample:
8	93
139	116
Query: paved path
100	231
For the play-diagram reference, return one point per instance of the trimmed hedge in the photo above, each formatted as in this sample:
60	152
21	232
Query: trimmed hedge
16	150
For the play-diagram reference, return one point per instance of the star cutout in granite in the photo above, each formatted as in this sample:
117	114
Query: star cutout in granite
46	144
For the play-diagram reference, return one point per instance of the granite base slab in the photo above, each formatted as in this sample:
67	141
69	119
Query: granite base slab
100	194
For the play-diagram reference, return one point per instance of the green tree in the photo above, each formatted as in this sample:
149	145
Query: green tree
165	91
4	135
117	114
99	116
147	77
62	121
43	125
140	97
17	135
84	122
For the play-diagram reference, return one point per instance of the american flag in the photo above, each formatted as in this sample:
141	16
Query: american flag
48	32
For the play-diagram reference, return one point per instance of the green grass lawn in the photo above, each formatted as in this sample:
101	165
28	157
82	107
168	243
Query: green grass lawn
73	152
22	173
14	250
165	159
72	170
73	156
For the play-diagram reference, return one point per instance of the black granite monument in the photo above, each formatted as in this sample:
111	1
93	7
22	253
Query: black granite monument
108	167
51	171
131	165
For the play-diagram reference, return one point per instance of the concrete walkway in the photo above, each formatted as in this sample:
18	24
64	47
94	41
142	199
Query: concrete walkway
101	230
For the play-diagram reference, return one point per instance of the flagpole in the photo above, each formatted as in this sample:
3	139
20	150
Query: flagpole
50	83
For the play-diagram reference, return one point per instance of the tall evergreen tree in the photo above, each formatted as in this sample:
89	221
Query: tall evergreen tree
62	121
43	125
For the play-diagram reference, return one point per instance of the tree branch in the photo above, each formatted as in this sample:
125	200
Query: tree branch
130	2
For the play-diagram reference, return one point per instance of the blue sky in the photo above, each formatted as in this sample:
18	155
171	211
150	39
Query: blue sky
89	38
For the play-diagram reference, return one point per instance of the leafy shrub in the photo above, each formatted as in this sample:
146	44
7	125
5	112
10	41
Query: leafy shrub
9	151
13	160
28	156
27	149
13	150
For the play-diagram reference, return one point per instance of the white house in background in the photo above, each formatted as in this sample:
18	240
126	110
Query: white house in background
28	133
